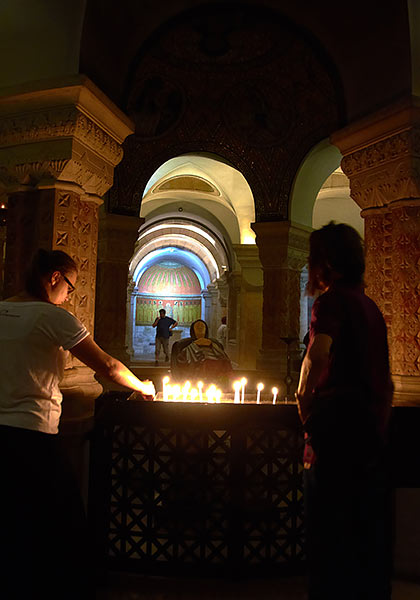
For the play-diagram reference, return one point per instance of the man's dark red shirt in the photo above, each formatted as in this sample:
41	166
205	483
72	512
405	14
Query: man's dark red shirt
358	361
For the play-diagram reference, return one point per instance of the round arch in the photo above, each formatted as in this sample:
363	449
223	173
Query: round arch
318	164
210	187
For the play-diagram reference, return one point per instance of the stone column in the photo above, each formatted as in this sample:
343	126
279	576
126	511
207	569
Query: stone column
250	301
3	230
131	316
382	160
223	290
117	237
213	312
58	150
222	299
283	249
233	279
207	306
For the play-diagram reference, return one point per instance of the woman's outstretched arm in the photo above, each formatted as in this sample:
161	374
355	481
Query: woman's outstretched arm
89	353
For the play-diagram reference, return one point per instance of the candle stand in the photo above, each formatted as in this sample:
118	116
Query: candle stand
183	488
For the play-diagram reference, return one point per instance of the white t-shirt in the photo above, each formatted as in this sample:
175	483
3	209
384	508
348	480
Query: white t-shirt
221	334
33	339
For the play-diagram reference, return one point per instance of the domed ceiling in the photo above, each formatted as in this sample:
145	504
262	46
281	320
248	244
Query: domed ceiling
169	278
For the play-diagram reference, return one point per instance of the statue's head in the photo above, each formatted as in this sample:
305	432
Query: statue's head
199	329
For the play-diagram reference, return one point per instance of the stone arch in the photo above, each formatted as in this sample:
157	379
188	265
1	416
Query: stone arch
262	112
322	160
227	202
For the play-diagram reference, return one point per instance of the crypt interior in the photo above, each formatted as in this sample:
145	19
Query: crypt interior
182	153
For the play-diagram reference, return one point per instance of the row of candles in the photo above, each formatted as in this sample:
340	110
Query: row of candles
187	393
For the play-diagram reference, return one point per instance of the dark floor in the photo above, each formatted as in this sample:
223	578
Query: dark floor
134	587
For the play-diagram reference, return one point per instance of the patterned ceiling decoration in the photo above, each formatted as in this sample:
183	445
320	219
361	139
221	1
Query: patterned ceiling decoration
169	278
239	82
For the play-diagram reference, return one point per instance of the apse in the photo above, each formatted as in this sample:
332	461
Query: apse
171	286
172	279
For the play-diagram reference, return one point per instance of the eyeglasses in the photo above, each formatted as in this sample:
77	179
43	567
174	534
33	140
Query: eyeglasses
69	283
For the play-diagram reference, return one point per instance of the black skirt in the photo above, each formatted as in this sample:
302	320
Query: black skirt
43	539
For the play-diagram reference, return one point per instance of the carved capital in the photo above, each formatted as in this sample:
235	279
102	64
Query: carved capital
382	155
282	245
251	268
68	134
386	171
222	286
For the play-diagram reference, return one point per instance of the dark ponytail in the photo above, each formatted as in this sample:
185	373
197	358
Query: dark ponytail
43	264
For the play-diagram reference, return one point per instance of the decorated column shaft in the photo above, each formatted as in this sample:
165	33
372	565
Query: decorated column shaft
58	150
382	161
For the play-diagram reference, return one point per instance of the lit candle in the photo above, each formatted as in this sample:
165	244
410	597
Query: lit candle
165	382
218	395
176	390
260	387
236	387
209	394
212	389
275	392
193	394
185	391
244	381
200	391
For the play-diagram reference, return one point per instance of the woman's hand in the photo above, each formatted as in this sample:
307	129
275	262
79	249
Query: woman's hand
148	389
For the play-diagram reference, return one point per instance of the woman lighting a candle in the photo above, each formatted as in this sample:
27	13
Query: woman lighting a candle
43	537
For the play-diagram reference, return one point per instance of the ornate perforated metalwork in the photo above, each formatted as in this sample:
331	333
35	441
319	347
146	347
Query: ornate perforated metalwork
179	488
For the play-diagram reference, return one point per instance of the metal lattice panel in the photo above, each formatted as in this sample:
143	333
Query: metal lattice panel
184	486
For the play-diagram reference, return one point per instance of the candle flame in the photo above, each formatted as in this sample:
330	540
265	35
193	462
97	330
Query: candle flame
212	394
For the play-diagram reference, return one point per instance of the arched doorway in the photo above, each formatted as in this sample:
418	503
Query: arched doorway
199	208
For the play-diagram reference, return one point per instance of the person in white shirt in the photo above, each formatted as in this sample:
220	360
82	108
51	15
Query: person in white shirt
221	333
42	523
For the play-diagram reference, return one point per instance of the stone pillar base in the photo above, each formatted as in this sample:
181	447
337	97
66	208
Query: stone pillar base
406	390
80	389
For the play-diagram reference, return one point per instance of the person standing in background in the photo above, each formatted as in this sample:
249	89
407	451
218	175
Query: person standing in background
344	400
221	334
164	327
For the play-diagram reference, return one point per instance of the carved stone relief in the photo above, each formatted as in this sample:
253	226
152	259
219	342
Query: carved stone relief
385	171
378	250
384	177
406	290
64	134
76	232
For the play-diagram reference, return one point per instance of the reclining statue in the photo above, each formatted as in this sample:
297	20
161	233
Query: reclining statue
201	358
